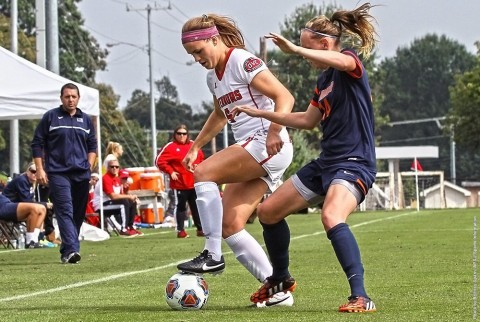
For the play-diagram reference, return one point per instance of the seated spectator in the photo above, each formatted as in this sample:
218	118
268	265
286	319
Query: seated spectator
114	198
92	220
22	189
126	182
32	213
42	195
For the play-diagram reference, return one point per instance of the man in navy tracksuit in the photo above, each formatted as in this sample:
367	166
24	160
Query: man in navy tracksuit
64	147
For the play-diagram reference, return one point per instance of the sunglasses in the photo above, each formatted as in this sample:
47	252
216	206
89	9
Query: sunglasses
114	167
32	171
181	133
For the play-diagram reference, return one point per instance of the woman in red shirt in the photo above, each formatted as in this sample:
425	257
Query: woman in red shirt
169	161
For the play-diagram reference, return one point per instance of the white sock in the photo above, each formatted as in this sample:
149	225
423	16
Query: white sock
250	254
29	237
210	210
36	232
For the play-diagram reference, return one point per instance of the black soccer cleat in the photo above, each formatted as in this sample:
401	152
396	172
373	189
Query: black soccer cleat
203	263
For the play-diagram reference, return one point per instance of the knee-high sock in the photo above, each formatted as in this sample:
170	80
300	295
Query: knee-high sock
277	241
210	210
348	254
250	254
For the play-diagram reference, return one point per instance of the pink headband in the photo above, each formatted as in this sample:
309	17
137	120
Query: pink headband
199	34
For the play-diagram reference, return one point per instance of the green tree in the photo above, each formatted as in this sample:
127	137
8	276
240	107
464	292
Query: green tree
463	119
80	54
80	57
26	50
464	115
303	152
414	85
114	127
169	111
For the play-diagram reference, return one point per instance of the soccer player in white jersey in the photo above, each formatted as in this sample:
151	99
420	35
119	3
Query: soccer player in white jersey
248	168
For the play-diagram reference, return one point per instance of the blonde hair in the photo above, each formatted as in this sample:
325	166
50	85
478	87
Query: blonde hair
112	147
355	23
226	26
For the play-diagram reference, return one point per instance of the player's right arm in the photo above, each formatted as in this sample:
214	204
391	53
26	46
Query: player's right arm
298	120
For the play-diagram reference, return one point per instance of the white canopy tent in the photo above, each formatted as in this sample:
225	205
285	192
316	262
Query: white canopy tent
27	91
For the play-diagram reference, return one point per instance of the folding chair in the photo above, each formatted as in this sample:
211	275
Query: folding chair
7	233
116	211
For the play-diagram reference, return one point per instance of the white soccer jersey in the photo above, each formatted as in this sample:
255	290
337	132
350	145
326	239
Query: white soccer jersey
232	88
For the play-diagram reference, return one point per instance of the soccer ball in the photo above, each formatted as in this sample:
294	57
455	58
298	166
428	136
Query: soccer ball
186	292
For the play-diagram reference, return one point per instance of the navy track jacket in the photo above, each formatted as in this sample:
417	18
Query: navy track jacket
64	141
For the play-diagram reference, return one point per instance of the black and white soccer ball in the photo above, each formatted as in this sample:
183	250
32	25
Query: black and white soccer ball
186	292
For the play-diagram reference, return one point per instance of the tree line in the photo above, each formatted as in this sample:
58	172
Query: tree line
432	77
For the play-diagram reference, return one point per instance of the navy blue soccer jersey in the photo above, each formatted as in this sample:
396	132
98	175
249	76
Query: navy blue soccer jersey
344	98
19	189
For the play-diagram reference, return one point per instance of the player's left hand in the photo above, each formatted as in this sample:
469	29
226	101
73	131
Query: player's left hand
274	143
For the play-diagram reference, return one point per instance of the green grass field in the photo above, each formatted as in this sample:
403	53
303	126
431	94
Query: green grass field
419	267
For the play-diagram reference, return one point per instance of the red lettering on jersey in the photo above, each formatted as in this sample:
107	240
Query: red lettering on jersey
229	98
229	115
238	96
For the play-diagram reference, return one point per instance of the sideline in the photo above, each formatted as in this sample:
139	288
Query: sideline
88	241
126	274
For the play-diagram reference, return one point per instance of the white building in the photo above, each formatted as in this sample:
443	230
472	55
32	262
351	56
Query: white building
455	196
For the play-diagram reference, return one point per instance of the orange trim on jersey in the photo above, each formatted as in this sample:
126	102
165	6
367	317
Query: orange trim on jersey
314	103
327	107
222	72
358	71
362	186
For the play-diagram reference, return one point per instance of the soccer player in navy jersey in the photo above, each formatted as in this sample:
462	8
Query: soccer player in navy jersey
345	169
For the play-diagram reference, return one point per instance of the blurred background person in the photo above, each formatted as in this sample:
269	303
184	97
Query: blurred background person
114	152
22	189
91	219
169	161
126	181
115	200
171	211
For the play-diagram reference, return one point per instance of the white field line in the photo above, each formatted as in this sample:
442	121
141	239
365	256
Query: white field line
22	250
126	274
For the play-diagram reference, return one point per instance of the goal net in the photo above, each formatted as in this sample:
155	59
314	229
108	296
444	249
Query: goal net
405	190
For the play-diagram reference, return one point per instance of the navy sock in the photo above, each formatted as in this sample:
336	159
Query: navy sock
348	254
277	241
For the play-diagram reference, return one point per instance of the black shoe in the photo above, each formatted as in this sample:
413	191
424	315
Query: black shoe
203	263
72	258
33	244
